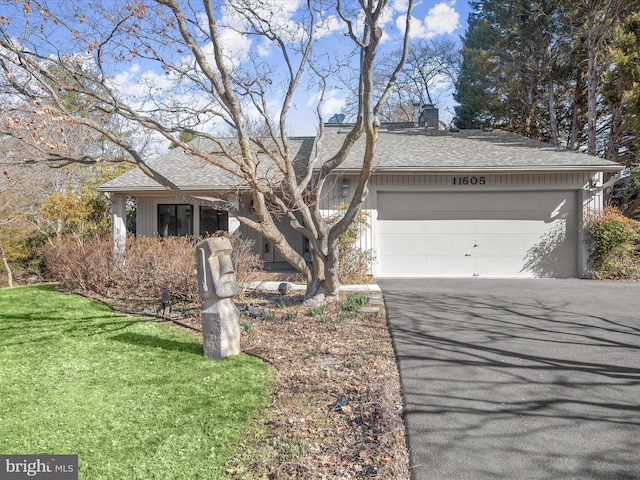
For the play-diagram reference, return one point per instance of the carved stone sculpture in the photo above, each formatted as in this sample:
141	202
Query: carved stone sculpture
216	285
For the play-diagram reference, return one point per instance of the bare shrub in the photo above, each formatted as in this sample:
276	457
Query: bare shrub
246	262
355	263
80	267
151	265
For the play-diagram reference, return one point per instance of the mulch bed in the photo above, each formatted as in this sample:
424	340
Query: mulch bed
337	409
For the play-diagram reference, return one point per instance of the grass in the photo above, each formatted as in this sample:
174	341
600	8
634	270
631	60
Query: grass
134	398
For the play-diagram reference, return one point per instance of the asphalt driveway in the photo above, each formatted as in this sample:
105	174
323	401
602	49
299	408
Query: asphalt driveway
518	379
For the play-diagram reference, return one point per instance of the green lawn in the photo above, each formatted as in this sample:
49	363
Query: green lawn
135	399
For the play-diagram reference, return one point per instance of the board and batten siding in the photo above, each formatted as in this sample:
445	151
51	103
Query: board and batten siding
147	226
586	184
147	214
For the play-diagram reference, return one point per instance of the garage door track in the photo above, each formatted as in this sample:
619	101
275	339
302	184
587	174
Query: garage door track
518	379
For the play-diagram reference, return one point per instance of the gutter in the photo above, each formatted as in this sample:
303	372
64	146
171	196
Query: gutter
529	169
162	189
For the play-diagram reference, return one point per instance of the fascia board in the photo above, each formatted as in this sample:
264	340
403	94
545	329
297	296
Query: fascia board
530	169
162	189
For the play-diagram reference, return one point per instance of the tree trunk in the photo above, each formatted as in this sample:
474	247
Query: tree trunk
332	280
593	77
577	111
6	266
630	210
323	283
553	118
530	122
616	132
315	293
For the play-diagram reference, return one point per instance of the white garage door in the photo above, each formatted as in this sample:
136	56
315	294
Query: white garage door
485	234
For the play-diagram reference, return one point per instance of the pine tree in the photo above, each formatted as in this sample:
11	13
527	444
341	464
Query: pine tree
545	69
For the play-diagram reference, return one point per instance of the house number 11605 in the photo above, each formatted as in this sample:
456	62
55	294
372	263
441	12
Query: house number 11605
469	180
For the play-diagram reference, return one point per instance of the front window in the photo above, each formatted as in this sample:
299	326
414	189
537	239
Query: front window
212	221
175	220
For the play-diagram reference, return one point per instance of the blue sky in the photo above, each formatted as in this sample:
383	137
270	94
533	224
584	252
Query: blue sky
147	87
432	19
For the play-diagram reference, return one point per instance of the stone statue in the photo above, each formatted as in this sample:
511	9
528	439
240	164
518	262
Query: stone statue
216	285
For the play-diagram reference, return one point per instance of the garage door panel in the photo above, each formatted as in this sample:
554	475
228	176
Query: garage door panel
399	266
424	244
414	227
403	266
476	214
524	246
416	204
500	234
474	226
489	266
453	266
450	244
435	226
480	244
414	244
559	266
517	227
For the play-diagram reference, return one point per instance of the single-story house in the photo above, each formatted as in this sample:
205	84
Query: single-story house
441	203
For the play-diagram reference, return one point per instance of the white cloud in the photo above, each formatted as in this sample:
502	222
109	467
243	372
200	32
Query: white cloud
332	104
386	19
235	47
281	12
400	5
441	19
328	25
416	28
264	48
136	84
279	15
122	79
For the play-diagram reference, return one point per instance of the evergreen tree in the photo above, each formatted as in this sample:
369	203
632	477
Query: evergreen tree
476	86
544	69
622	85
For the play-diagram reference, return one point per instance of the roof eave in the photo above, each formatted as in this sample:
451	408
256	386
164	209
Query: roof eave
528	169
162	189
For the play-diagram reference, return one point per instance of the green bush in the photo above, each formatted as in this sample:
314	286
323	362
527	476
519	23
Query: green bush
23	251
613	241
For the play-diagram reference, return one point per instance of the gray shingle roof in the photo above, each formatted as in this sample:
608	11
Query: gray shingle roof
418	149
192	173
400	149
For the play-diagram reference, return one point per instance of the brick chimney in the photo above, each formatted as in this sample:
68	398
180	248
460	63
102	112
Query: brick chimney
429	117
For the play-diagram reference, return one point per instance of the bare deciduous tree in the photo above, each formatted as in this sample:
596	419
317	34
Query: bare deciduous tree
431	67
59	64
21	190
